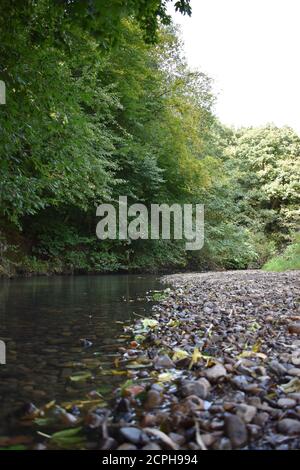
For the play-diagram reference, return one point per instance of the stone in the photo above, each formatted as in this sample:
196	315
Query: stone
246	412
200	388
163	362
127	446
153	399
289	426
294	328
261	418
152	446
286	403
131	434
223	444
295	371
277	368
177	438
236	431
216	372
208	439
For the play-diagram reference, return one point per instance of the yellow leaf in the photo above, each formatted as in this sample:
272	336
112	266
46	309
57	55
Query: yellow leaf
246	354
165	377
179	354
195	357
292	386
256	347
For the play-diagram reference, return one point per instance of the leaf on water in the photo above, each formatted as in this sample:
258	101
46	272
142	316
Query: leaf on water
82	403
137	365
45	421
80	377
118	372
68	437
49	405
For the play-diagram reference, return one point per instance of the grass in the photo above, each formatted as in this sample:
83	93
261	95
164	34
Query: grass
289	259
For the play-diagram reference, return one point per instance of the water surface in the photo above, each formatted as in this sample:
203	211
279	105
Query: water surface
45	322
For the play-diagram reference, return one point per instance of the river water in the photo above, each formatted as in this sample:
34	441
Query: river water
57	327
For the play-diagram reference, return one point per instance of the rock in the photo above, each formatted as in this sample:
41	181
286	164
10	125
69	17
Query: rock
216	372
261	418
163	362
246	412
223	444
295	371
132	435
149	420
296	357
205	387
277	368
295	396
236	431
240	381
208	439
286	403
108	444
294	328
152	446
289	426
127	446
254	430
200	388
153	399
177	438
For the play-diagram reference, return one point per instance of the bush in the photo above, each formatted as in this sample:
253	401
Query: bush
289	259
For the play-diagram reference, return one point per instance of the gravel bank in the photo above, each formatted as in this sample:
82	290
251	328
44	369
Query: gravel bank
252	325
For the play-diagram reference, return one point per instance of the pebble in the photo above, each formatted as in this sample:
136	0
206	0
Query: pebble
286	403
152	446
131	434
246	412
289	426
294	371
163	362
153	399
127	446
216	372
200	388
294	328
278	368
236	431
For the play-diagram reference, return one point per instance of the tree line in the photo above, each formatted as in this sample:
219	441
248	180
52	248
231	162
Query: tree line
101	103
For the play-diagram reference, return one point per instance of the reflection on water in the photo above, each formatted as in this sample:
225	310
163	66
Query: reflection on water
43	320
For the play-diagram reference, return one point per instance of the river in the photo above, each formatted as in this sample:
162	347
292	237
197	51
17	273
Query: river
57	327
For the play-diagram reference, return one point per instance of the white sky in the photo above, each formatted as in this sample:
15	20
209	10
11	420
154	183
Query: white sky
251	48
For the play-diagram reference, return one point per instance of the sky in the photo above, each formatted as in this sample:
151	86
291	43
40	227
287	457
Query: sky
251	48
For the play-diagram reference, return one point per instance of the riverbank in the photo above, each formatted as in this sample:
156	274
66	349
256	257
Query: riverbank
217	366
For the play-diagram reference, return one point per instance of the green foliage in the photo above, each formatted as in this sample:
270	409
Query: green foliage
101	103
265	165
289	259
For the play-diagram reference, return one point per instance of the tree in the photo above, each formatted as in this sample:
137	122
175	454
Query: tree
265	164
